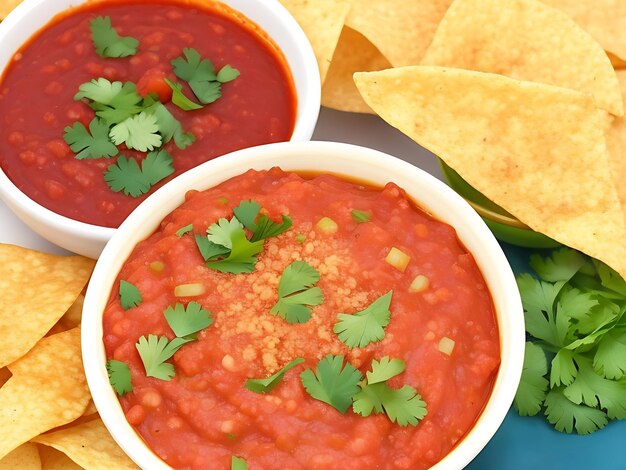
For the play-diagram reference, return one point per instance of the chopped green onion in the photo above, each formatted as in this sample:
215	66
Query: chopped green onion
327	226
189	290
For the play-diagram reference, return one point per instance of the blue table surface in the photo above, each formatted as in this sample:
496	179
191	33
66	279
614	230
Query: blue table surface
532	443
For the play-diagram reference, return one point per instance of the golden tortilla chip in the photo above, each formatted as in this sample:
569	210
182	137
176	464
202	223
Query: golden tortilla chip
605	20
52	459
36	289
48	389
354	54
527	40
5	375
321	21
616	61
400	29
536	150
74	314
25	457
6	6
616	144
90	410
89	445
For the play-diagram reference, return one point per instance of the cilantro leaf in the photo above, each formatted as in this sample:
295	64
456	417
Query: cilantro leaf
333	382
210	250
126	176
593	390
170	127
565	415
129	295
119	377
267	228
227	74
533	385
108	42
295	292
385	369
563	368
610	357
179	98
221	233
403	406
139	132
154	351
186	321
242	256
113	102
270	383
94	143
183	230
610	279
360	216
246	213
366	326
561	266
237	463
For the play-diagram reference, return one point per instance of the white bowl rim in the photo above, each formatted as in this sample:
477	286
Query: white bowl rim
304	126
500	277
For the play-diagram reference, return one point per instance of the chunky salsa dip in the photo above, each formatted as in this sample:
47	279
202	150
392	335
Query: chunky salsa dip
363	243
37	100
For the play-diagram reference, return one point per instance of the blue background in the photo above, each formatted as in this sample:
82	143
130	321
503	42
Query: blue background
532	443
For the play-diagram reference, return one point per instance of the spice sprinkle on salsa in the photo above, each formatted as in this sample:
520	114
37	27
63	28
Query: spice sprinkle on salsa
112	99
281	320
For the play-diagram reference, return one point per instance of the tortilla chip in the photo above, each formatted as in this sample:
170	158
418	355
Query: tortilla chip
74	314
36	289
6	6
90	410
616	61
354	54
5	375
52	459
616	144
605	20
321	21
527	40
400	29
89	445
48	389
536	150
25	457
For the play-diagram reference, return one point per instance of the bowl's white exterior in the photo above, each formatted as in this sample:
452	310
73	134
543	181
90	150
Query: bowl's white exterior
32	15
356	162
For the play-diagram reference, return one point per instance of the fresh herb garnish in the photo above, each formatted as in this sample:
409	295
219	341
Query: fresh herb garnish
94	143
366	326
575	316
296	294
360	216
189	320
333	382
184	230
237	463
113	102
129	295
154	351
270	383
403	406
170	127
108	42
180	99
126	176
263	228
119	377
139	132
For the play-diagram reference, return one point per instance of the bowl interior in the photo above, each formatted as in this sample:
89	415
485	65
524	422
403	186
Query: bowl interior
356	162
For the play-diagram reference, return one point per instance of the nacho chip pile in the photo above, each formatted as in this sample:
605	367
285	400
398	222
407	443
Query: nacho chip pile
47	418
520	97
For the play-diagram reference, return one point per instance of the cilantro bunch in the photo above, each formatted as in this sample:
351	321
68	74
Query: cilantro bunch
575	362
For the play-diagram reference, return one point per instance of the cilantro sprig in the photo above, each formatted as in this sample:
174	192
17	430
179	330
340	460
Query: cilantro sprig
575	364
126	176
186	321
92	143
271	382
366	326
154	351
129	295
262	227
119	377
108	42
296	293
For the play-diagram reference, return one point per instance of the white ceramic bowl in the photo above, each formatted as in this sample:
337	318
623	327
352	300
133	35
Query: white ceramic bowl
87	239
357	162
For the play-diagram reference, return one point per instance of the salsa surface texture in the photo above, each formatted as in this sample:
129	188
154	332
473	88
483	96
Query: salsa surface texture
38	88
205	415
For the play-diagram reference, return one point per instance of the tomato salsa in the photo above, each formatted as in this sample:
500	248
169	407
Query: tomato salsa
38	88
362	244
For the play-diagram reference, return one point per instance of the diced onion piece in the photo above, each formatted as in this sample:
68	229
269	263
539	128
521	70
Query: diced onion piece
419	284
157	266
446	345
189	290
327	226
301	238
222	200
398	259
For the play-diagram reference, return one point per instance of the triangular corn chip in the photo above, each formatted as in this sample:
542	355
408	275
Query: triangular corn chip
25	457
616	144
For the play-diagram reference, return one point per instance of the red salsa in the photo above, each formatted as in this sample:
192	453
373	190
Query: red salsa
443	327
37	97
